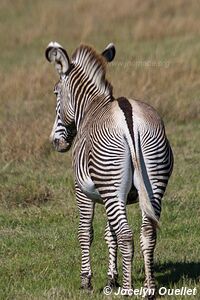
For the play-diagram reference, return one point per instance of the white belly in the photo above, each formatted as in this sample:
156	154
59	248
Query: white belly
88	188
122	189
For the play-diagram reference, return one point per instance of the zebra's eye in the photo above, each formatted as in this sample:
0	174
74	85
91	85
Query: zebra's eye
55	91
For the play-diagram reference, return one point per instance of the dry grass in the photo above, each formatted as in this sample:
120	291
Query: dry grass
157	60
27	113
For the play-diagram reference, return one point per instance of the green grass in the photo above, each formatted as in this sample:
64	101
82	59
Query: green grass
40	254
39	250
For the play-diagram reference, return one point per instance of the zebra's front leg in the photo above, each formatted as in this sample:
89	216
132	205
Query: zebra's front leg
117	218
85	236
111	240
148	242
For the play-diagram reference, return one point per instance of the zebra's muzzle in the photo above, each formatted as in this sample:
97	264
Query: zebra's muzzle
61	145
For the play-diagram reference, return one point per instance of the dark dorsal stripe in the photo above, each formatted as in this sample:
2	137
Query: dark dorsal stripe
126	107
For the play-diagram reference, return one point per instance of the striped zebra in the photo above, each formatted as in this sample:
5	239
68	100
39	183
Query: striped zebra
120	153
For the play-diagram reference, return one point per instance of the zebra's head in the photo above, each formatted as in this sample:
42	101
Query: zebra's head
64	128
62	133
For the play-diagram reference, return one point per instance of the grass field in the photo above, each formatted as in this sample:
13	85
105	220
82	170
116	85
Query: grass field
158	60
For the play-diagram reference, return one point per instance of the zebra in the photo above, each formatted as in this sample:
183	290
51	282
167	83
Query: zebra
120	153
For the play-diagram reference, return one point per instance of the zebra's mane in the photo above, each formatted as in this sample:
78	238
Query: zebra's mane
94	66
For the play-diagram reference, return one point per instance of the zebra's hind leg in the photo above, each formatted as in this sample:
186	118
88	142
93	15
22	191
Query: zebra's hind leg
148	242
117	218
85	236
111	240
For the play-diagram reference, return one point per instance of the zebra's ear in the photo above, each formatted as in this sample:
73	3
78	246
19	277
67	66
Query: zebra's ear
57	54
109	52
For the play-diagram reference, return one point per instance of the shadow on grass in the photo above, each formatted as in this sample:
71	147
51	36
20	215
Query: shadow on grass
173	272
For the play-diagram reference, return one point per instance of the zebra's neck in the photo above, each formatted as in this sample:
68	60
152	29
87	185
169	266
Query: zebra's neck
89	104
93	66
89	83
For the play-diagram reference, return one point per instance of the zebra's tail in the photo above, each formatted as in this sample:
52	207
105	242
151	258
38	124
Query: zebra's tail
141	180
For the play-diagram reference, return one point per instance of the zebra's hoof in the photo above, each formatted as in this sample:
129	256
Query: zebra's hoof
88	289
150	291
112	282
153	297
86	283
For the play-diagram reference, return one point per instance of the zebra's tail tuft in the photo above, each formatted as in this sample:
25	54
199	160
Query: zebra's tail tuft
146	206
